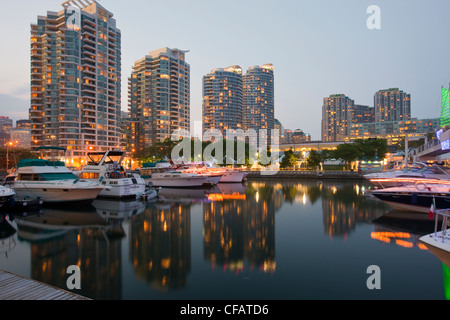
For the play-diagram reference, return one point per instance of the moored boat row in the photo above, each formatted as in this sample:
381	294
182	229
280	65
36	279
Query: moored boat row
415	188
190	175
421	189
50	181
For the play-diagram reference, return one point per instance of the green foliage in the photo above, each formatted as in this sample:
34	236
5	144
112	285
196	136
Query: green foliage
372	147
347	152
226	152
157	152
361	148
313	160
289	160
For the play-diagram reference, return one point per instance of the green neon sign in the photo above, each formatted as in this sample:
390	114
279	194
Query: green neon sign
445	107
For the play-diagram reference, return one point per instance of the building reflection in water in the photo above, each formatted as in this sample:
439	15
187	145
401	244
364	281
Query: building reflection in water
345	205
402	229
160	246
90	239
240	226
238	232
7	232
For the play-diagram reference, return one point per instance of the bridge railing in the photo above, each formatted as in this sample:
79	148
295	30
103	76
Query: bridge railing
431	144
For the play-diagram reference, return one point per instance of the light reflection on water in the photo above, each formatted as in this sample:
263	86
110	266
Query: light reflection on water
269	240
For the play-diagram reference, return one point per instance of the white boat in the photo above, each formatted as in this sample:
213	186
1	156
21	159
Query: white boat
415	198
10	177
106	167
6	197
53	183
232	176
410	175
228	175
152	193
162	175
212	177
438	242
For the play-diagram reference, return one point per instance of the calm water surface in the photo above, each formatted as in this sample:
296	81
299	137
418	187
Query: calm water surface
290	240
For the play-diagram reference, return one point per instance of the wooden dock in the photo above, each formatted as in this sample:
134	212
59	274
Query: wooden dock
15	287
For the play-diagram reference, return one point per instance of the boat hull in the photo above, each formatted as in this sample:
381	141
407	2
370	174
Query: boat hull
177	182
6	197
212	180
415	202
54	194
233	177
439	248
123	188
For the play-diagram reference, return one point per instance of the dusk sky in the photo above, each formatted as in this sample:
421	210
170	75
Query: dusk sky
317	48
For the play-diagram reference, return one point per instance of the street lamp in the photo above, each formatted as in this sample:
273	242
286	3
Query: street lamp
8	145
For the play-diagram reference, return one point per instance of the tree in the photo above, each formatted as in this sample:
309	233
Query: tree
372	147
313	160
368	148
348	153
289	160
157	152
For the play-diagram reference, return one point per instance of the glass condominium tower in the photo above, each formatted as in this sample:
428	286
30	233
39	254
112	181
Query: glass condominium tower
75	79
259	98
222	100
259	102
159	97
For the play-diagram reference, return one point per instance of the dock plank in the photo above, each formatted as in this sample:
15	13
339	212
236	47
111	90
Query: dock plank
15	287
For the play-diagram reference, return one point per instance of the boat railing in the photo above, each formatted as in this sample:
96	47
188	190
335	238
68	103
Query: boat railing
445	215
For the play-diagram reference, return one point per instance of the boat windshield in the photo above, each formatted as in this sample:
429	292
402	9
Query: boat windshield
96	158
47	176
437	170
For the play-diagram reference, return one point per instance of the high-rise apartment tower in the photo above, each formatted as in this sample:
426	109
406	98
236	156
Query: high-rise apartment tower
76	79
159	97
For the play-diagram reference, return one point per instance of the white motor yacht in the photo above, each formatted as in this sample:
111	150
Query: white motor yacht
212	178
53	183
164	176
106	167
228	175
438	242
415	198
410	175
6	197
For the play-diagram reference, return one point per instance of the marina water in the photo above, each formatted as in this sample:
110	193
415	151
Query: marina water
263	240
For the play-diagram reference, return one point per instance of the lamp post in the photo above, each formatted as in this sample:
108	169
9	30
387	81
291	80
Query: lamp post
8	145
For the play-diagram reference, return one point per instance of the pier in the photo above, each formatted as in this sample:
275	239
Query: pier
15	287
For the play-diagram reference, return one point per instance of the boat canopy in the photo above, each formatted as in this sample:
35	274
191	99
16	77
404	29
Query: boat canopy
159	164
39	163
149	165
